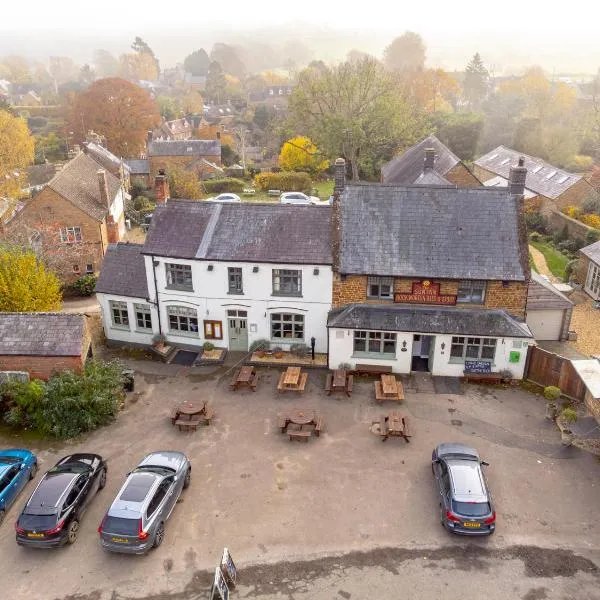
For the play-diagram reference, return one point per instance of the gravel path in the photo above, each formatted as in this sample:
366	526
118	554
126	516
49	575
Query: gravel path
586	322
540	263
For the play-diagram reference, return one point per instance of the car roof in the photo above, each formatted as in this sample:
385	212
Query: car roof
50	491
467	481
456	449
135	494
164	459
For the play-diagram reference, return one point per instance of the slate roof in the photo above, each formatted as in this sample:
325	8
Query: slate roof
542	177
184	148
442	320
78	183
138	166
276	233
40	174
592	252
105	158
542	295
123	271
406	168
431	177
41	334
419	231
500	182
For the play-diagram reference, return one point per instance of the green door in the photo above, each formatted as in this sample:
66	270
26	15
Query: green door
238	330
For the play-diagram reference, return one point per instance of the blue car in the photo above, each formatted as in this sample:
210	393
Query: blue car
17	467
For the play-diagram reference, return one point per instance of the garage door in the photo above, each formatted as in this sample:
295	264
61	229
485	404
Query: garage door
545	324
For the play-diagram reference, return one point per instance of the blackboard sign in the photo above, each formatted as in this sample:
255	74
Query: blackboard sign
228	568
219	590
478	366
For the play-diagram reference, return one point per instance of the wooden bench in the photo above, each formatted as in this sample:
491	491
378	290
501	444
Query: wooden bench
274	192
209	413
282	422
187	424
364	369
299	435
280	385
319	426
350	384
254	382
407	427
383	428
303	380
483	377
233	382
328	383
174	415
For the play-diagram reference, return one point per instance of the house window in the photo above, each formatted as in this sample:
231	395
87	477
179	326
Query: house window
89	268
375	342
473	348
143	316
76	269
287	282
118	311
70	234
287	327
213	330
183	319
470	291
234	275
380	287
179	277
594	279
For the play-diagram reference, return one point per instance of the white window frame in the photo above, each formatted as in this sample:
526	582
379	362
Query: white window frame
292	323
145	311
471	287
375	343
70	235
177	277
235	277
119	314
465	347
593	282
184	315
287	276
381	283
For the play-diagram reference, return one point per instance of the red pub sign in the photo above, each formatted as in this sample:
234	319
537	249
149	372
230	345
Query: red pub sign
425	292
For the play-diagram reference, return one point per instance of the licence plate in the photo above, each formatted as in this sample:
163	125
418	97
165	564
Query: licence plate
472	525
35	535
120	540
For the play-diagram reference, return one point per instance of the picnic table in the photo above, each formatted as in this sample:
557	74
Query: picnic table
189	415
296	421
396	424
388	388
246	376
339	381
292	379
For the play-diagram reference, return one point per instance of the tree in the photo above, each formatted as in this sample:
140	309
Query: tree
50	148
15	69
16	152
169	107
229	59
197	63
460	132
406	53
25	285
184	184
435	90
192	103
138	67
476	81
106	64
117	110
300	154
216	83
228	155
86	75
63	69
262	116
140	47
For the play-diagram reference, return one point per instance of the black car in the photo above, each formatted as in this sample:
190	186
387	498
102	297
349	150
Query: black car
52	514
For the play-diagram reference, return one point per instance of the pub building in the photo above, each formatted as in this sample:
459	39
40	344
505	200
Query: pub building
429	277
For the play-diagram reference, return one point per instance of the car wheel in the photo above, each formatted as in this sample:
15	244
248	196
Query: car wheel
442	517
72	531
102	481
160	535
33	471
186	481
2	514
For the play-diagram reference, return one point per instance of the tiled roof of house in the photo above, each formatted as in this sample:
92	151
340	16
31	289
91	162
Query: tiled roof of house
431	177
123	272
40	174
500	182
276	233
542	295
184	148
419	231
542	177
104	157
406	168
78	183
442	320
592	251
41	334
138	166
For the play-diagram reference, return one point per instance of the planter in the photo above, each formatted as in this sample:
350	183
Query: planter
567	437
278	354
551	411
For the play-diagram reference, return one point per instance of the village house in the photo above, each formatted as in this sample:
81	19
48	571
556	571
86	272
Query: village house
107	160
589	269
177	129
440	167
43	343
139	172
549	311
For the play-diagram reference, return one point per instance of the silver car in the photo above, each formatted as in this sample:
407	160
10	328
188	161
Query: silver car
135	521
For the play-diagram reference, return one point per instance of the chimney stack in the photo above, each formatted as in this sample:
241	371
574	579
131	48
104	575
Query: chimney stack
161	187
339	176
149	138
429	159
516	179
103	185
112	230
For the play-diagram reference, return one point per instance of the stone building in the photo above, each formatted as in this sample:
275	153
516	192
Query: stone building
199	156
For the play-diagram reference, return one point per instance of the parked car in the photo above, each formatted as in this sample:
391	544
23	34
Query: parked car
135	521
17	467
298	198
52	514
226	198
464	498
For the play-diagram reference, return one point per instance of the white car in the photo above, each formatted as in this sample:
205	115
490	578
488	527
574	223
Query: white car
298	198
226	198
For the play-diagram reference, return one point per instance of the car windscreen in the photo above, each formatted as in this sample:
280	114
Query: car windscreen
37	522
121	526
9	460
471	509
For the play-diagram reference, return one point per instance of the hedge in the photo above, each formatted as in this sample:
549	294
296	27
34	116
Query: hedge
286	181
227	184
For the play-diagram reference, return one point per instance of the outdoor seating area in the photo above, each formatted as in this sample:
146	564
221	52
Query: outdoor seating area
394	424
339	381
245	377
388	388
292	379
300	423
188	416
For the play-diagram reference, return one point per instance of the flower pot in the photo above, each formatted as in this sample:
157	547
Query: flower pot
278	355
260	354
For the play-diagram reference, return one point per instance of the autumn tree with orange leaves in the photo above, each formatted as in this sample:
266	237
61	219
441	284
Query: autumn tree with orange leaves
118	110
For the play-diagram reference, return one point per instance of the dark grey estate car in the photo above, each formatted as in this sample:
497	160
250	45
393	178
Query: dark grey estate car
135	522
465	501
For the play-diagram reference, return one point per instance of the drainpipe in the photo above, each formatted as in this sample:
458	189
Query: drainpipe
156	303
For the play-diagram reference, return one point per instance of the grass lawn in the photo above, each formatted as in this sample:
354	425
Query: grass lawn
555	260
324	189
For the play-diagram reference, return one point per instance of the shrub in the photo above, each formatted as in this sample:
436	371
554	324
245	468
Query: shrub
571	267
226	184
300	350
592	220
592	236
560	235
85	285
277	349
535	236
208	346
261	344
591	205
569	415
159	338
570	245
284	181
552	393
536	222
23	400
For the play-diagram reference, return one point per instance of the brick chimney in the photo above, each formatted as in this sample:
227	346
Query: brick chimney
112	230
516	179
161	187
429	159
103	185
339	177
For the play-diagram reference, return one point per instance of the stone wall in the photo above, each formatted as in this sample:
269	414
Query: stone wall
557	221
582	271
461	177
593	405
512	297
351	288
41	367
575	195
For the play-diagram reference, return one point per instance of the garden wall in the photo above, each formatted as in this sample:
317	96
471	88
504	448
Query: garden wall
557	221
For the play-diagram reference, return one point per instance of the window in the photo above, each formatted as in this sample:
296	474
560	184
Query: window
183	319
375	342
234	275
287	282
8	477
594	279
471	291
118	311
473	348
143	316
70	234
159	496
75	268
380	287
213	330
289	327
179	276
89	268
